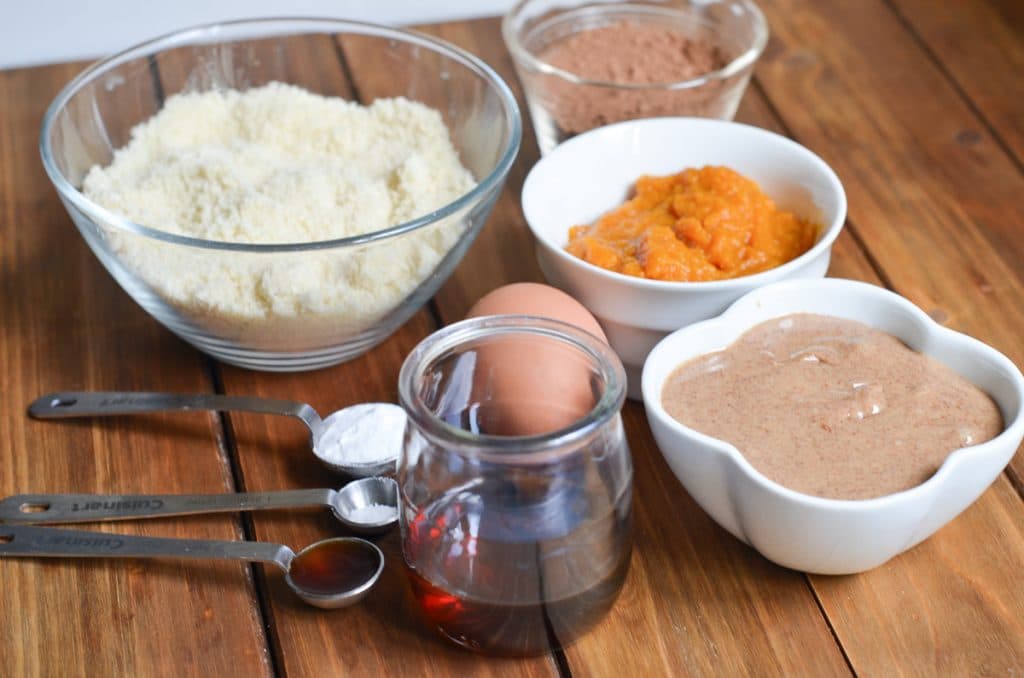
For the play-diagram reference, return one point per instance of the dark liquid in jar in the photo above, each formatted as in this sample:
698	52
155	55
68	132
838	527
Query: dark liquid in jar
516	565
513	629
334	567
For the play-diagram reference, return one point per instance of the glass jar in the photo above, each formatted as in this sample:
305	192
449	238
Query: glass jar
515	482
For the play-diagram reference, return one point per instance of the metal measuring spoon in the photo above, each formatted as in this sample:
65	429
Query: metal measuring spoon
72	404
346	580
345	504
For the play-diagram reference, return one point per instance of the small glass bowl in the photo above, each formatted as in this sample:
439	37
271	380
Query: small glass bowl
563	104
288	306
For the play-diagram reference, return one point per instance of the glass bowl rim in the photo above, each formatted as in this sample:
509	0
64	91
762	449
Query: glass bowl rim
744	60
502	450
302	26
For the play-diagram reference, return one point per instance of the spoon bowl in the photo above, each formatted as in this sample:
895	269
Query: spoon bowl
354	432
368	505
312	579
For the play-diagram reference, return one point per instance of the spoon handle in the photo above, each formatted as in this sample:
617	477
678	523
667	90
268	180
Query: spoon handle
70	404
42	509
19	540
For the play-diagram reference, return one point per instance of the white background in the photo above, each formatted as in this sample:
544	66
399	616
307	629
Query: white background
44	31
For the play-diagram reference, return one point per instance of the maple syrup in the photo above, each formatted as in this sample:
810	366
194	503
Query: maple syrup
516	629
502	593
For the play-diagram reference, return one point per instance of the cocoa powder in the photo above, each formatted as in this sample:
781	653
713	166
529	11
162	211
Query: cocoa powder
632	53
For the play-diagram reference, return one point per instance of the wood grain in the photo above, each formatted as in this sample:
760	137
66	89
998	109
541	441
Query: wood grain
691	586
67	325
895	151
981	46
949	607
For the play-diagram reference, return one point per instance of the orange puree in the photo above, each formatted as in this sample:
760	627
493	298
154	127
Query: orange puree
701	224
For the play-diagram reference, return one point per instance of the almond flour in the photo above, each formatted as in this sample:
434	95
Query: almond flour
278	164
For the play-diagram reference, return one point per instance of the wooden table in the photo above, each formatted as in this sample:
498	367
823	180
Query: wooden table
919	107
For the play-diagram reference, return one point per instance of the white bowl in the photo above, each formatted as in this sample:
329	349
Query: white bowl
814	534
594	172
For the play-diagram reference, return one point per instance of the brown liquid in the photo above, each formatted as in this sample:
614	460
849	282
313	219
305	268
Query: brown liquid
517	629
519	560
334	567
519	566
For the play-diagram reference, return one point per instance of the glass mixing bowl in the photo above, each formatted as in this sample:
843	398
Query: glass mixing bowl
306	304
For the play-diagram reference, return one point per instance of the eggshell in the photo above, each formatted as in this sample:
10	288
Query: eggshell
533	388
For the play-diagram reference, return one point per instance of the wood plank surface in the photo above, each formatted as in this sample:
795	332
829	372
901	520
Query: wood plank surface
696	600
980	45
916	105
895	150
67	325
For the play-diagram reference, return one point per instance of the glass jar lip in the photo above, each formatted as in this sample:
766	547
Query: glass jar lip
741	62
503	449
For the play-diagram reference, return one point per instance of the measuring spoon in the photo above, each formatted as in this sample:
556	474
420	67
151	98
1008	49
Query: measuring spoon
324	433
329	573
347	504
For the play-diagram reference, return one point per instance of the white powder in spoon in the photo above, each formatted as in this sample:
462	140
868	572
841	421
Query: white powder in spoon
372	514
362	434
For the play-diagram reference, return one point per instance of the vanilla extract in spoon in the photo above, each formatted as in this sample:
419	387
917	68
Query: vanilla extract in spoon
333	565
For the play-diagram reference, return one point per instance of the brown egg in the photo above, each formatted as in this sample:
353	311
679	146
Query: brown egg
532	386
536	299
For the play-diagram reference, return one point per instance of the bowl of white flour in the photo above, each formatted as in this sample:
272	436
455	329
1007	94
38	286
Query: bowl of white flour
282	193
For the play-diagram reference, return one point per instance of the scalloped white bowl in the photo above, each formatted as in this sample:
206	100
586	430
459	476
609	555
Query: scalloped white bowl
594	172
814	534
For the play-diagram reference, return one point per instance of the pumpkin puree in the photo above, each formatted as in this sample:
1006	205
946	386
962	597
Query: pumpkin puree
701	224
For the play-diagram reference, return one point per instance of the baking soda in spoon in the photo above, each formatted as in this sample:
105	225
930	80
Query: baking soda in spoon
368	433
372	514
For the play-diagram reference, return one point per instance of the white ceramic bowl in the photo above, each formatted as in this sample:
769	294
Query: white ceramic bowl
595	171
831	536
